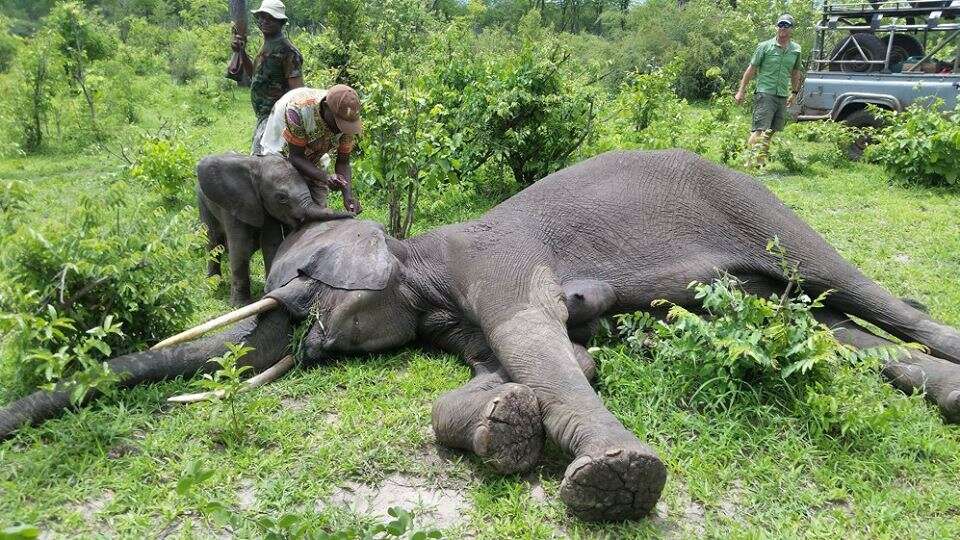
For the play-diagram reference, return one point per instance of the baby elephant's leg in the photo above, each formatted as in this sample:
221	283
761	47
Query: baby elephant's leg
498	420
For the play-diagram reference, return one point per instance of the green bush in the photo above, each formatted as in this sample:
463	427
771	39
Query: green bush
920	145
183	57
167	165
8	45
115	255
748	351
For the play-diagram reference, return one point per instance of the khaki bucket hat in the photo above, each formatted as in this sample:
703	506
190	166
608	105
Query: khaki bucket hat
345	105
273	8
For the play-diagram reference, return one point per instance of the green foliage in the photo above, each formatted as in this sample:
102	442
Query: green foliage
835	138
784	153
81	32
749	351
19	532
226	383
38	80
165	163
183	57
920	145
61	277
410	147
649	98
8	45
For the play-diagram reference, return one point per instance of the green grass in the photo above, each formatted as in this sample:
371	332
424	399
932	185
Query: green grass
111	469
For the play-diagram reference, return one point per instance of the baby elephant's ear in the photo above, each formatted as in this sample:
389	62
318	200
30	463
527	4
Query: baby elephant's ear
348	254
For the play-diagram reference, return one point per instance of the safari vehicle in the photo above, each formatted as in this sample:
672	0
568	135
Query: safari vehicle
886	53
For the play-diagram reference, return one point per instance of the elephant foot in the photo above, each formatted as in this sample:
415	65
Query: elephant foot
623	483
938	379
509	436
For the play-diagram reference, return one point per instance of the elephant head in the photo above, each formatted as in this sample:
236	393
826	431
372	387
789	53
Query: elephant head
249	188
349	278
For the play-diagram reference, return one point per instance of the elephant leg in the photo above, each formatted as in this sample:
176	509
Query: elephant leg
498	420
215	237
271	236
241	244
613	475
914	371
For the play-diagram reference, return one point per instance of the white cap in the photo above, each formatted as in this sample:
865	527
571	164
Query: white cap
273	8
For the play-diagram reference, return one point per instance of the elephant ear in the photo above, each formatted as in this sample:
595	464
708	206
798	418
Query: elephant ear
348	254
230	181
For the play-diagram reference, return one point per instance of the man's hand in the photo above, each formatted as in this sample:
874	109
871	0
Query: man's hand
337	182
351	203
791	100
239	43
738	97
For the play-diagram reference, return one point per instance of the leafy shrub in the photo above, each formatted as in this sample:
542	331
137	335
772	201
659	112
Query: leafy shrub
13	194
649	97
748	351
783	152
920	145
8	45
182	58
226	383
108	256
166	164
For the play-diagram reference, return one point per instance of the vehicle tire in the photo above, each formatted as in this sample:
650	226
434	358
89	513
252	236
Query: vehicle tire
904	46
861	118
873	49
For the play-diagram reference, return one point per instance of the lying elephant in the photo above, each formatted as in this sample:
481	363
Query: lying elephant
516	292
245	202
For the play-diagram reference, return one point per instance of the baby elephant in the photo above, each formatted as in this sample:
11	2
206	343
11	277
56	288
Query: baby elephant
246	202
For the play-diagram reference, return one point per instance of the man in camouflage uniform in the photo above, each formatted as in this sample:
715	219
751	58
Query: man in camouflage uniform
276	69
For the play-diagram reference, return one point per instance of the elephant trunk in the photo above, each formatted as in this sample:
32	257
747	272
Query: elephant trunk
315	212
269	335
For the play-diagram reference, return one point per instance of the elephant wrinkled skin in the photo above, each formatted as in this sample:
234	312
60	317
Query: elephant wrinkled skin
517	292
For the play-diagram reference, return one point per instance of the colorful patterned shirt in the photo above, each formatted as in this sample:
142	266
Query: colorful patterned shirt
305	127
277	62
774	65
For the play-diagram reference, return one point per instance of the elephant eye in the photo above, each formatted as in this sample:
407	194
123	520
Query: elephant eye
282	198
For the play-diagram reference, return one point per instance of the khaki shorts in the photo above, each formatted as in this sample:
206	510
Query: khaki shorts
769	112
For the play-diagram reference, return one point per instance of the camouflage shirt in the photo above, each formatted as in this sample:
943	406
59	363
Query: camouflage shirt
277	61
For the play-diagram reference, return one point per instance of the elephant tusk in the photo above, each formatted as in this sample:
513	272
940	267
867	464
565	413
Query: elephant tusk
257	307
270	374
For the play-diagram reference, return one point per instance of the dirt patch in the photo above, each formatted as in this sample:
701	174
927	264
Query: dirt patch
683	517
295	404
537	492
90	508
436	505
246	495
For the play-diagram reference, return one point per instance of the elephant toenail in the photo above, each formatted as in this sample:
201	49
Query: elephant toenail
614	452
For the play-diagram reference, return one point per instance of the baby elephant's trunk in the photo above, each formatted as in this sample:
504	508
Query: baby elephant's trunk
268	334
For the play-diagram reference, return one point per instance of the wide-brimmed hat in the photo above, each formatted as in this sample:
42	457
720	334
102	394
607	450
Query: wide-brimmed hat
273	8
345	105
786	18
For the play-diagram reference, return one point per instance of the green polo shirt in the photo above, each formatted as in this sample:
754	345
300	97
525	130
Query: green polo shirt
774	65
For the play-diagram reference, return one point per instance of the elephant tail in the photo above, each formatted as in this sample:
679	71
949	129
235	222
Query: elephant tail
268	334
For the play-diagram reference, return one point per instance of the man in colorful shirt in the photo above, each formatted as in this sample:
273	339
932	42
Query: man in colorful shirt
276	69
308	125
776	63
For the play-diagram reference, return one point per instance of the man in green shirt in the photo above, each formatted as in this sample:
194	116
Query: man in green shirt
776	64
276	70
